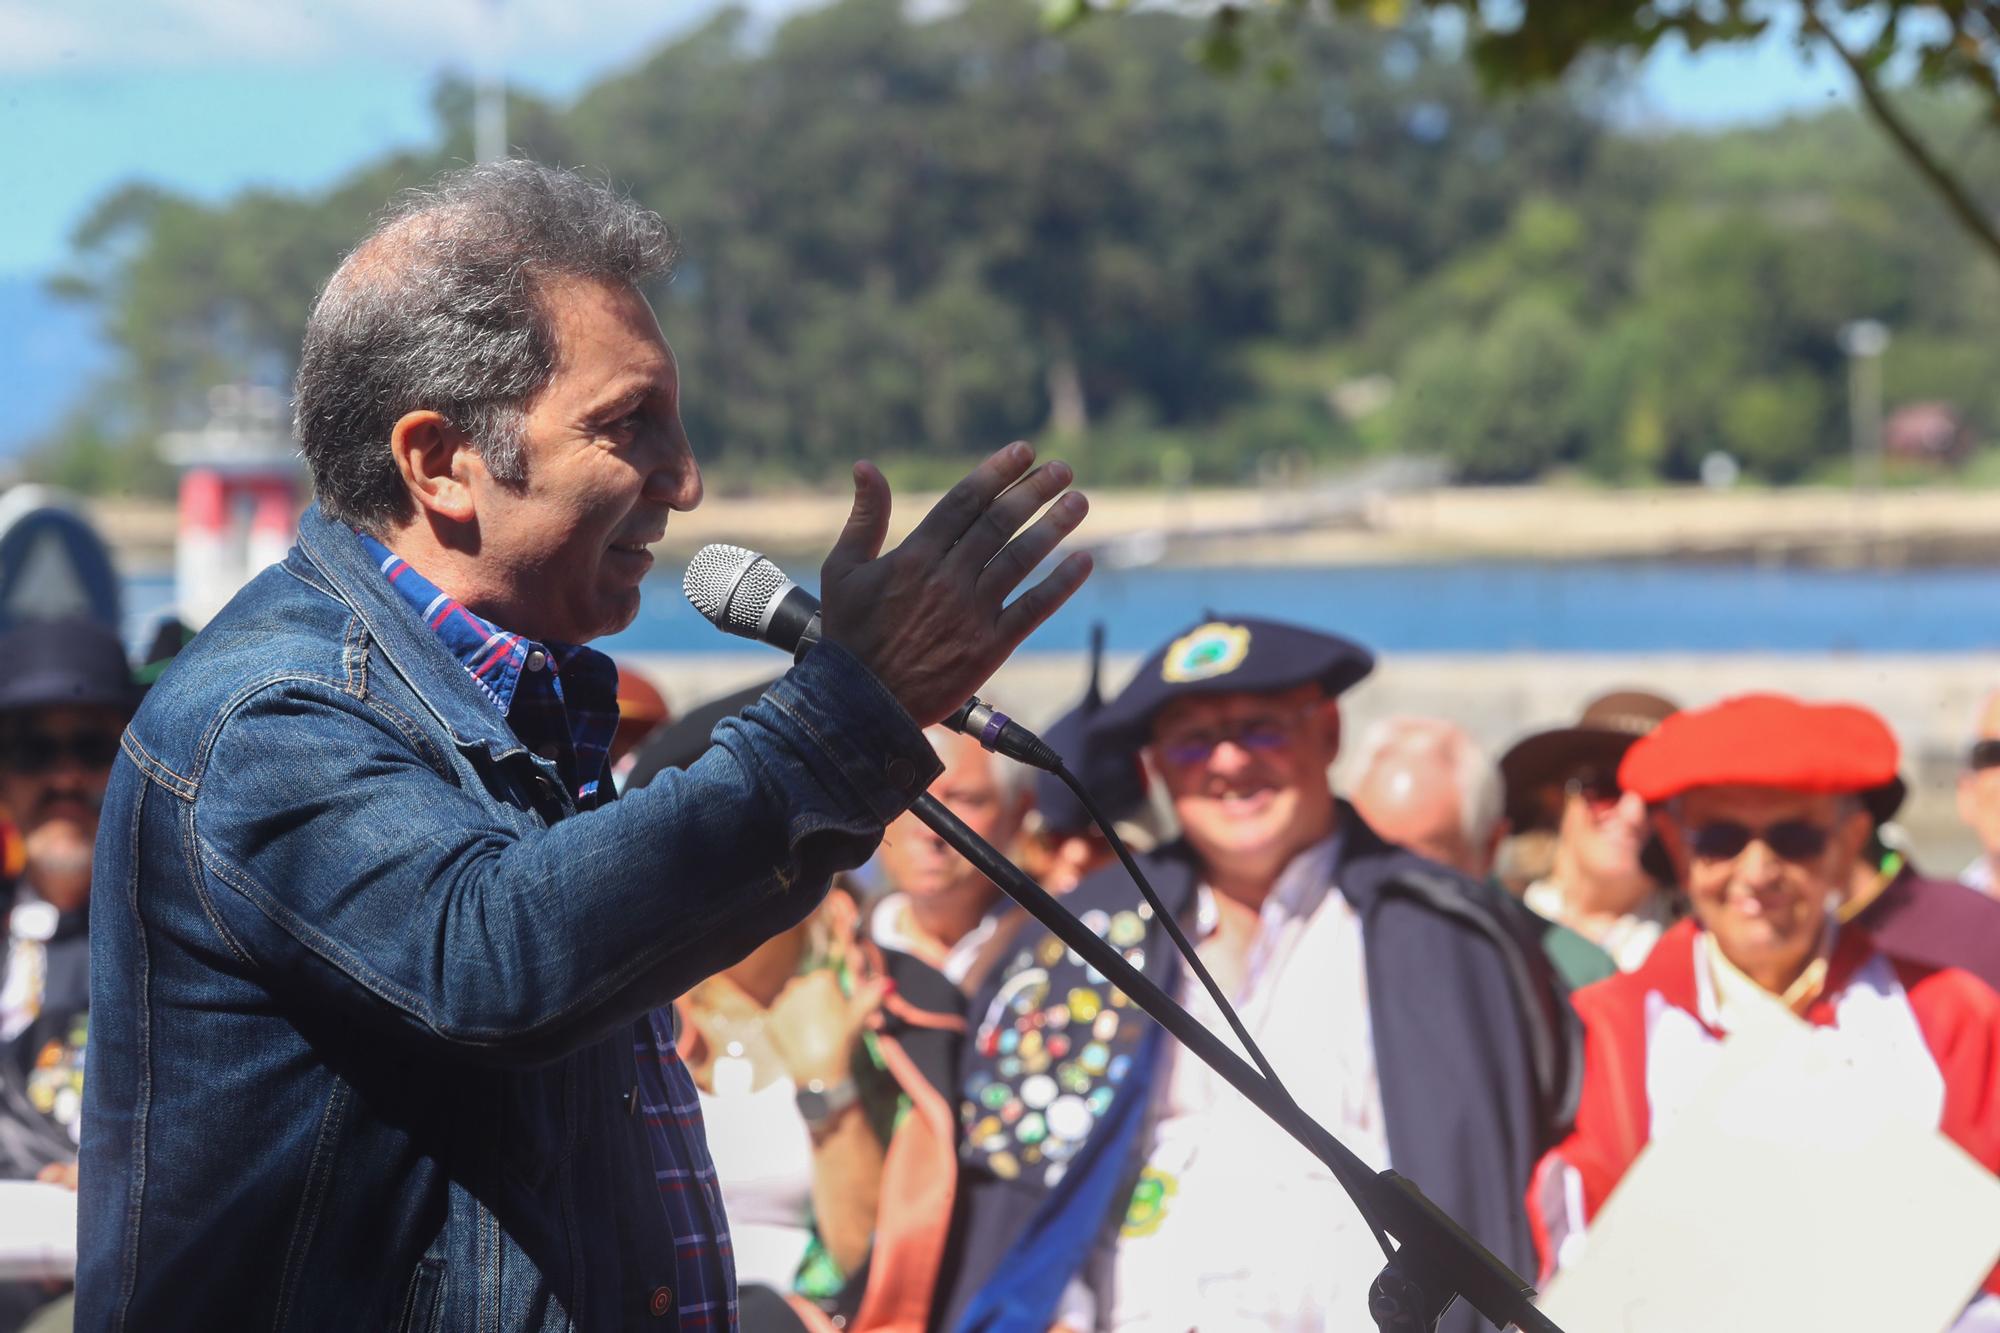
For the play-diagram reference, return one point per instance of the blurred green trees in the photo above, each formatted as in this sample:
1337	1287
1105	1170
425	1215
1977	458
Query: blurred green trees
914	240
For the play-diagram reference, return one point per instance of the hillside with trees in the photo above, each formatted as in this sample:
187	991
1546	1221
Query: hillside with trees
915	239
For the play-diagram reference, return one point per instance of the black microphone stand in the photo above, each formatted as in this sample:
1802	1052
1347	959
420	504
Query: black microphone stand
1435	1262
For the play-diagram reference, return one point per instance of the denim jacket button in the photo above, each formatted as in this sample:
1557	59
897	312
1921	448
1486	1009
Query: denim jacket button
663	1301
902	773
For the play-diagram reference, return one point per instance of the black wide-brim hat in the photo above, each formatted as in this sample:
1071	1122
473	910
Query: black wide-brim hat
1611	724
65	663
1228	655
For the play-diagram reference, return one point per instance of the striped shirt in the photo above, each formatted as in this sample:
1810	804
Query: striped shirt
562	702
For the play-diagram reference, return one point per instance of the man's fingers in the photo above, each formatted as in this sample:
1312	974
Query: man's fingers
1018	558
1004	517
1043	600
867	524
962	504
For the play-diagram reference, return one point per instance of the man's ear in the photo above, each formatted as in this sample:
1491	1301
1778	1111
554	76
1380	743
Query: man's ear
1329	711
433	456
1851	835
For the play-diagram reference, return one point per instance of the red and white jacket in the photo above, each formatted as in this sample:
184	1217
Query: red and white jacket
1650	1035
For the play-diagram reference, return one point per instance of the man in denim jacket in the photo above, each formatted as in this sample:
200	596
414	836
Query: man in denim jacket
377	962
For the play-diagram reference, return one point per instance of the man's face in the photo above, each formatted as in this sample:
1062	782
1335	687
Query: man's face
54	764
606	461
921	864
1763	898
1247	774
1603	828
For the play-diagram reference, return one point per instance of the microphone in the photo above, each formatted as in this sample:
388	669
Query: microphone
743	593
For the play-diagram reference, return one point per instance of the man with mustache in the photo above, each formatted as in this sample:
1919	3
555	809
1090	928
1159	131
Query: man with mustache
67	695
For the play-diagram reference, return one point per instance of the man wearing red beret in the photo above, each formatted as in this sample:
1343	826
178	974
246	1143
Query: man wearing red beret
1758	803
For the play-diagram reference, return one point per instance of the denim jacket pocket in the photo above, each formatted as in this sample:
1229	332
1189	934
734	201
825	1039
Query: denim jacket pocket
423	1303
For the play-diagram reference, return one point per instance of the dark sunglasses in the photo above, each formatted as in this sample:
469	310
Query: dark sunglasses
36	752
1788	839
1265	735
1985	754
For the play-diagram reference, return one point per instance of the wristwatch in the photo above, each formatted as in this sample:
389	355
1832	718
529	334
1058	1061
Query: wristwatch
820	1103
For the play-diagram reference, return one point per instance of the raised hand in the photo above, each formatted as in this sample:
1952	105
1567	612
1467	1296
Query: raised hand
931	618
813	1027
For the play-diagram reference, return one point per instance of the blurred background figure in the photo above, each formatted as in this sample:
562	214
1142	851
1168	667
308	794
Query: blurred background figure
1763	806
1938	922
642	711
1426	785
1060	843
1601	883
67	695
774	1044
935	906
1979	798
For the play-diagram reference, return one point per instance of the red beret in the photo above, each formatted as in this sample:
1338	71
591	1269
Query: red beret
1762	740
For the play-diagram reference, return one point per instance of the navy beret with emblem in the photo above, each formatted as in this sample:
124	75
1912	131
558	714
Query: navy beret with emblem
1229	655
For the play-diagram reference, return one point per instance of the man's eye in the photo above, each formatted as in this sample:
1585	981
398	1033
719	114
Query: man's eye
625	425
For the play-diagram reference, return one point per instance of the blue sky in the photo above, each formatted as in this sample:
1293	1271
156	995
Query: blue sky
208	96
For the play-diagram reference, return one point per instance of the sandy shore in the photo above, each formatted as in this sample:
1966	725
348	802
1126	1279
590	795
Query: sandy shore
1930	701
1328	527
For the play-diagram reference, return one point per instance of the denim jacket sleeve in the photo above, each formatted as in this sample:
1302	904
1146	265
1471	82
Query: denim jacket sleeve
340	858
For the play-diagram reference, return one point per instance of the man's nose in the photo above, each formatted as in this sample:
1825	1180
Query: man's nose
675	478
1231	755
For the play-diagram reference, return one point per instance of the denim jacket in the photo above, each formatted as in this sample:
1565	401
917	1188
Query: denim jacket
363	980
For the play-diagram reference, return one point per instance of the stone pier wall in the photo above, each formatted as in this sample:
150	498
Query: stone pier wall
1929	700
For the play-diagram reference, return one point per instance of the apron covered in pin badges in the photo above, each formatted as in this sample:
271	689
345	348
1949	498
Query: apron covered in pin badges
1056	1044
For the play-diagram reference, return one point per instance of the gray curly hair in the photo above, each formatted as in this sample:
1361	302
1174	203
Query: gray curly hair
438	309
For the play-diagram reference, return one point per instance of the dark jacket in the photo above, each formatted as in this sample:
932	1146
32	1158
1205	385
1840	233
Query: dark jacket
1475	1047
367	987
1939	923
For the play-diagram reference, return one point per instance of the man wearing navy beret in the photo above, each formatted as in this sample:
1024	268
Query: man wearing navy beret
1108	1179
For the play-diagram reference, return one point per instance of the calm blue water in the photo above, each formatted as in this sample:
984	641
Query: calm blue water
1466	607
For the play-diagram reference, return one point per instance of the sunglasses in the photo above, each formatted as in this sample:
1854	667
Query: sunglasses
1985	754
1260	735
36	752
1789	840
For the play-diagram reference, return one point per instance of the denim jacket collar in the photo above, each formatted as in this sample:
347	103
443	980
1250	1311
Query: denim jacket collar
419	656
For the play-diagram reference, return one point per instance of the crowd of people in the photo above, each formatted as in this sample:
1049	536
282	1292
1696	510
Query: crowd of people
431	992
923	1112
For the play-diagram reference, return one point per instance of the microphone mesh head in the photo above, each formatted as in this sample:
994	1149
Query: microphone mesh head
731	587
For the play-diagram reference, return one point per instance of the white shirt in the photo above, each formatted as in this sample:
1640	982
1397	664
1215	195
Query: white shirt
763	1163
1628	940
1978	875
1250	1230
886	926
30	926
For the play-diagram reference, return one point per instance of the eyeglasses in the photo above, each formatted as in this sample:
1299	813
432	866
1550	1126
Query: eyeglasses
1600	791
1264	734
1985	754
35	752
1789	840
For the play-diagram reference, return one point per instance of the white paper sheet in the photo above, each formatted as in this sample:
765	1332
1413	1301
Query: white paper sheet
1789	1194
37	1231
